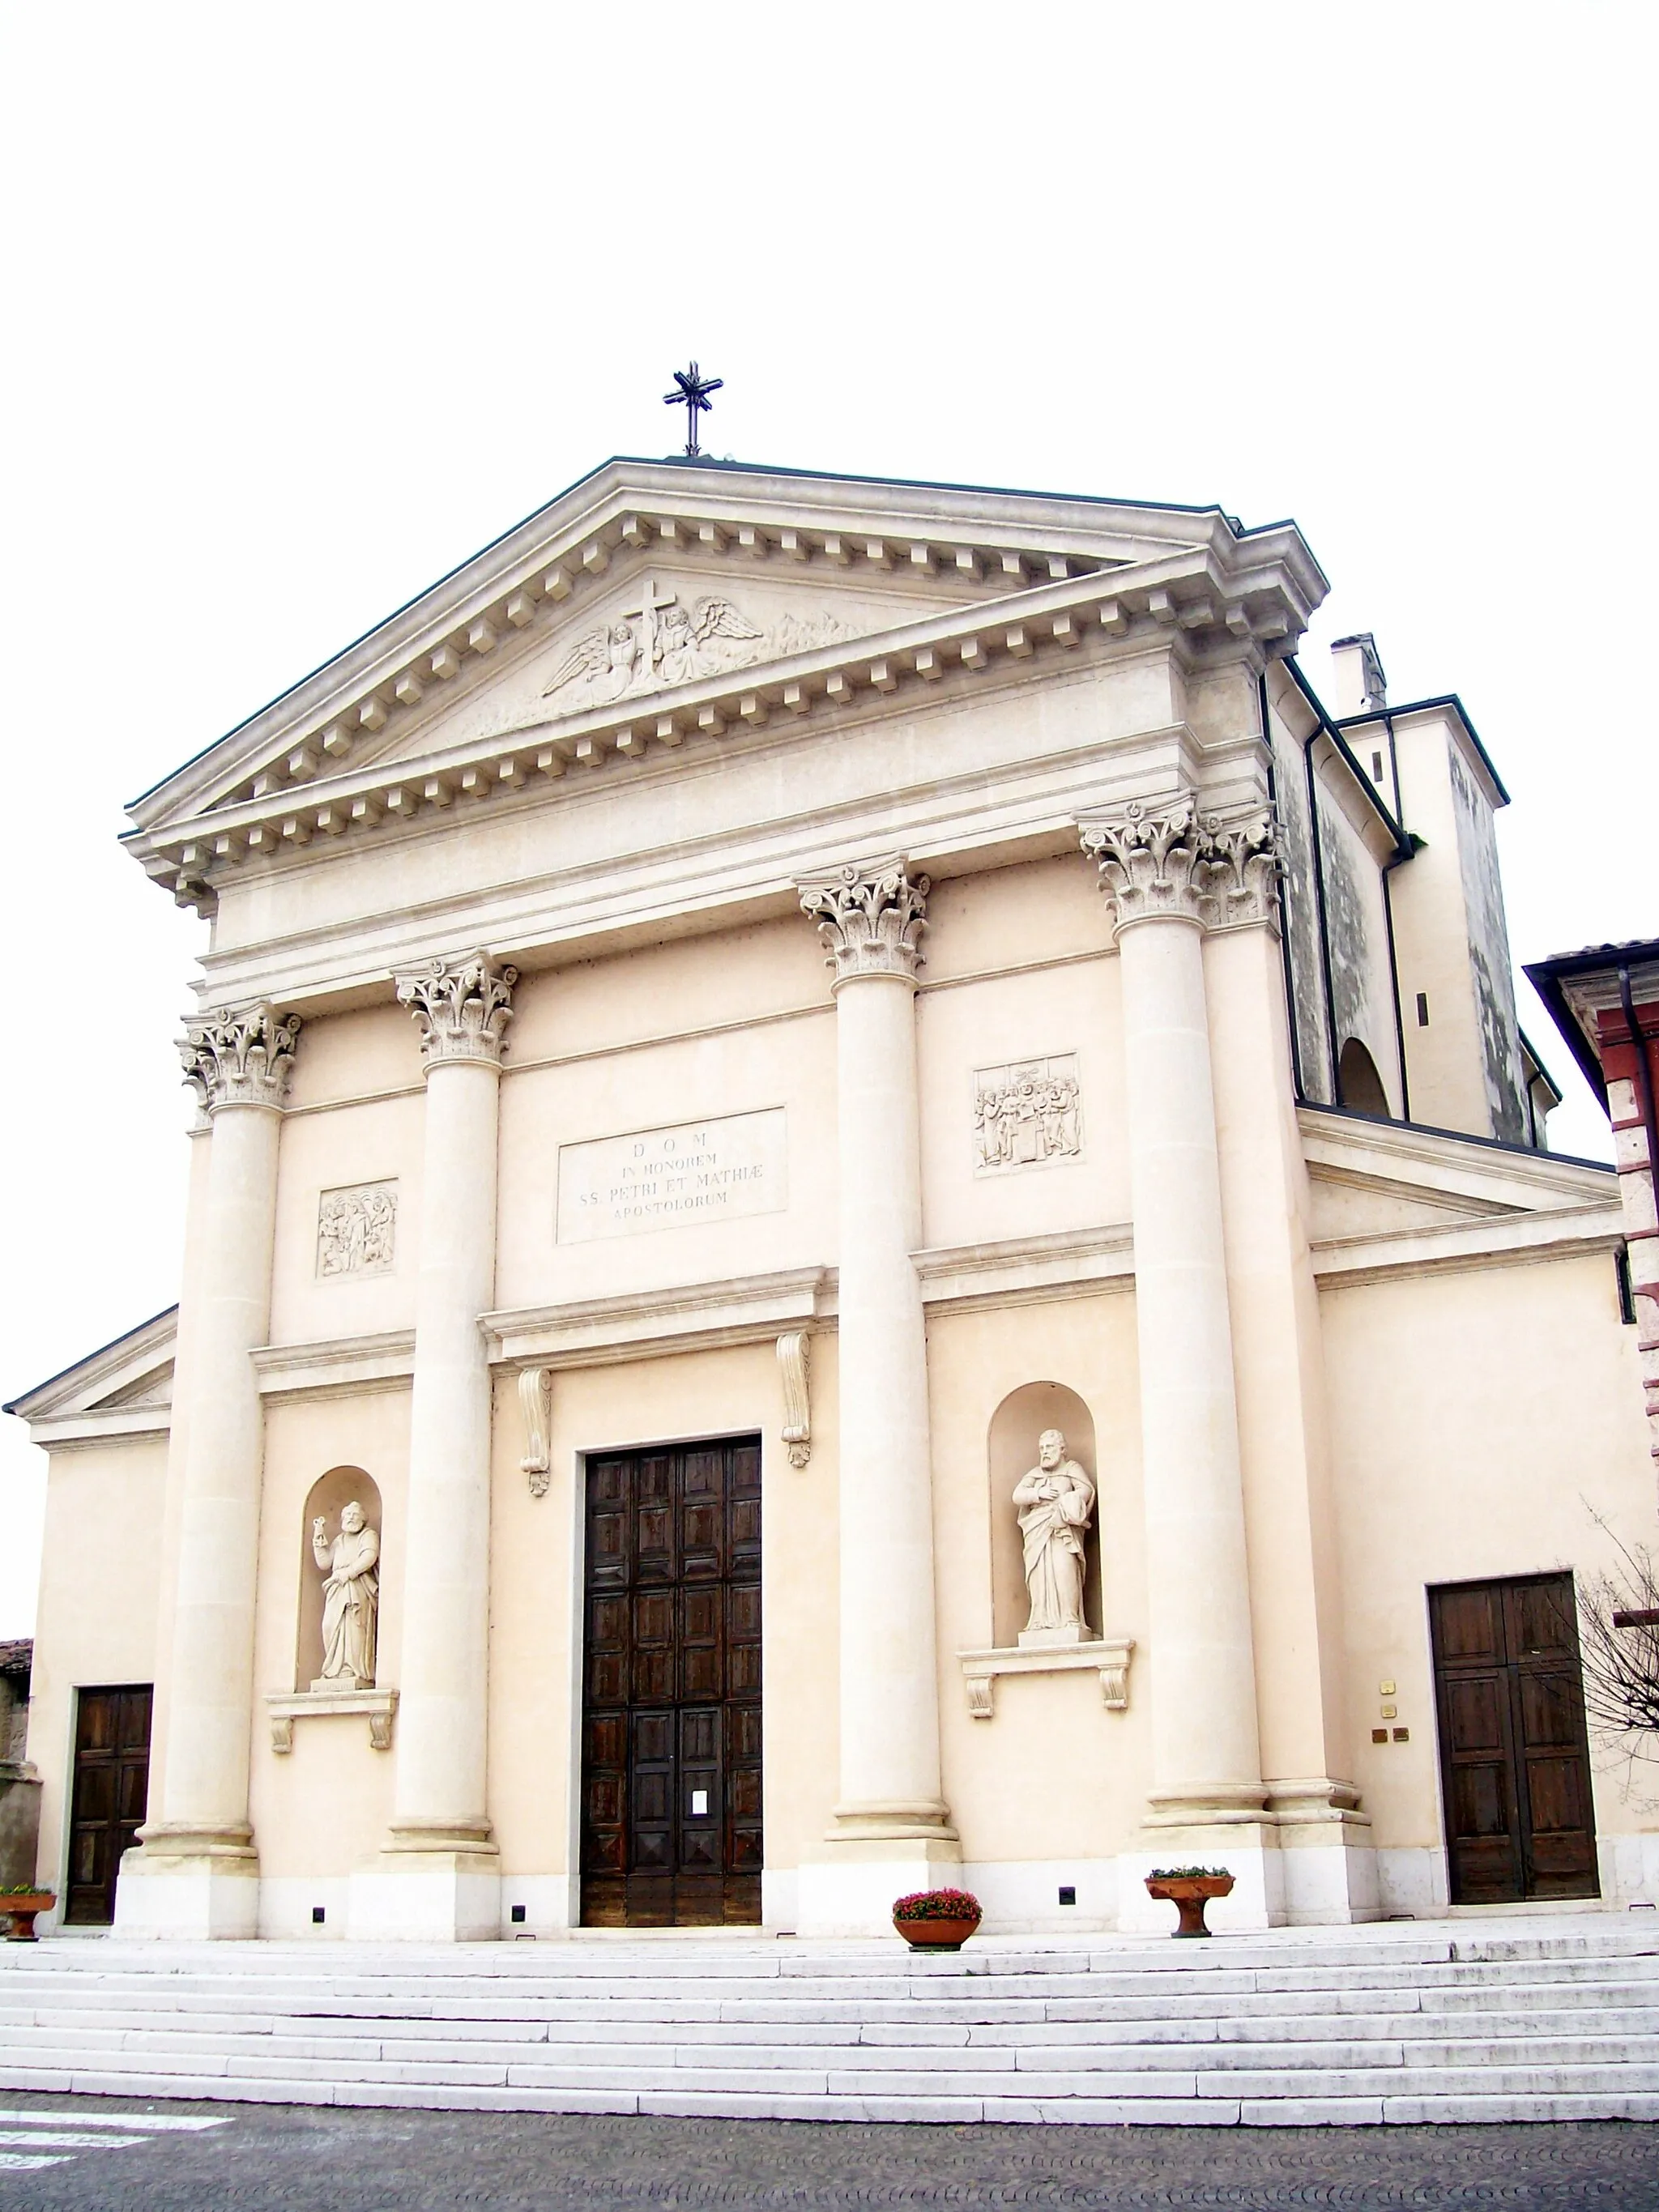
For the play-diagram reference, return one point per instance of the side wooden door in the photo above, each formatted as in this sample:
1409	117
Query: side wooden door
670	1783
106	1806
1513	1754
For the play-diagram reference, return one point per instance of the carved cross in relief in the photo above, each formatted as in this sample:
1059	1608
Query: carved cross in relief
652	603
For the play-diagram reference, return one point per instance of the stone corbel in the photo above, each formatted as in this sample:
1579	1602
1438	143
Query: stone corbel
1107	1656
536	1398
377	1706
792	1366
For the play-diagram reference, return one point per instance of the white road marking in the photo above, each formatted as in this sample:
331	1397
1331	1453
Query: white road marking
69	2139
147	2123
50	2142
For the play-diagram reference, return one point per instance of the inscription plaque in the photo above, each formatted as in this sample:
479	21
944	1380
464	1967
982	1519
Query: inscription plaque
696	1171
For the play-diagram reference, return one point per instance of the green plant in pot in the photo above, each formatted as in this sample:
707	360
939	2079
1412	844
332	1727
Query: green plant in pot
1189	1889
937	1919
19	1904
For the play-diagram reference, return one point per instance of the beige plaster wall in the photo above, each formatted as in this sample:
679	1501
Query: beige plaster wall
1052	1775
101	1571
1478	1418
1020	966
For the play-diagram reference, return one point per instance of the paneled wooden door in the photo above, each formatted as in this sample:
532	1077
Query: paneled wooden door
106	1806
1514	1755
671	1687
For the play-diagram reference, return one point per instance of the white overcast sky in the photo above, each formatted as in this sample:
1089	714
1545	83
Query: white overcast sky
306	303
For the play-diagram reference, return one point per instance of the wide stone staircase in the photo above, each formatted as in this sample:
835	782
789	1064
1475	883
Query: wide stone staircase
1521	2020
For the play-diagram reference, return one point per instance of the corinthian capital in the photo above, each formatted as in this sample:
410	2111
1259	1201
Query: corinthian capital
242	1058
1168	859
462	1005
1149	860
870	919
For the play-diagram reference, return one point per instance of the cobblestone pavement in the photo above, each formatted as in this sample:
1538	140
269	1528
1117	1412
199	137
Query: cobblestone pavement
317	2159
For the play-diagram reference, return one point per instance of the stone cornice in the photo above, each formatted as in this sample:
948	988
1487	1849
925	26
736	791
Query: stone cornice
1221	599
692	1317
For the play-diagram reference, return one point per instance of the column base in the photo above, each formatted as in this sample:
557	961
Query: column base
922	1820
852	1889
190	1884
418	1894
1305	1861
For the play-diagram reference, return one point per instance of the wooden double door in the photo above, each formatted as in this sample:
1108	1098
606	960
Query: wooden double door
106	1804
670	1781
1514	1755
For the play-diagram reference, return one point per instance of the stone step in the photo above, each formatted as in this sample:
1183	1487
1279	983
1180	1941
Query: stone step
1305	2029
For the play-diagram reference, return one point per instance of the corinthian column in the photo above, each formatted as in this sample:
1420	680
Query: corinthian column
198	1836
1167	872
890	1817
439	1875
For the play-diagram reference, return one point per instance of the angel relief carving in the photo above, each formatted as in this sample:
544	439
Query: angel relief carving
662	640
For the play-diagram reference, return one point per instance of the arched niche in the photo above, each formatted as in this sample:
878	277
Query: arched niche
1016	1424
1358	1083
329	1496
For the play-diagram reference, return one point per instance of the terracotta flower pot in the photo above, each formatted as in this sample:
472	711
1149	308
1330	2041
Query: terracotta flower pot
936	1935
1189	1894
19	1912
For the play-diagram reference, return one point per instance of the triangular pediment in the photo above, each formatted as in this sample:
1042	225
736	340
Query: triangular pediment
123	1390
661	601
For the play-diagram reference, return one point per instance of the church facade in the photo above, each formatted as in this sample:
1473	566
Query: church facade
867	1212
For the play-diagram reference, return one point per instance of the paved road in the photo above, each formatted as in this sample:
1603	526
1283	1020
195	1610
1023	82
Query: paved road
120	2156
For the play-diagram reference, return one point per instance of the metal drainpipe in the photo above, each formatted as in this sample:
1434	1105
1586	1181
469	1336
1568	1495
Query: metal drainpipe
1404	851
1644	1075
1324	916
1284	903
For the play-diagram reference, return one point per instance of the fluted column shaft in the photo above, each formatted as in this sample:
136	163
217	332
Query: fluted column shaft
239	1065
869	920
440	1799
1166	877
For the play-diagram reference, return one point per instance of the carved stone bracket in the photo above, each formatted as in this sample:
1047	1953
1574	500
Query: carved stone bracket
536	1399
1219	871
378	1705
1107	1656
463	1006
870	919
792	1366
242	1058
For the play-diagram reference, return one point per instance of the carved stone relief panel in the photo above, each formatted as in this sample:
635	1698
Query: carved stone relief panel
356	1230
663	636
1027	1112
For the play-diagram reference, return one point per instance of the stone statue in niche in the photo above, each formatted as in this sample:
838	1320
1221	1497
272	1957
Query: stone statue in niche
1055	1501
351	1600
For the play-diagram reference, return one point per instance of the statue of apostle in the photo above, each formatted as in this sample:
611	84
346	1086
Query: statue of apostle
1055	1501
352	1599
